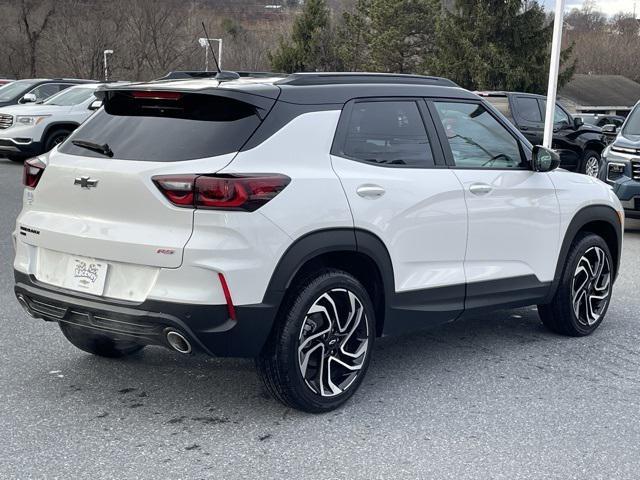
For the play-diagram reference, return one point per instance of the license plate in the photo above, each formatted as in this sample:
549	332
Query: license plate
87	275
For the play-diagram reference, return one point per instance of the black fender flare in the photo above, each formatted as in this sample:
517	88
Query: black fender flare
585	216
319	242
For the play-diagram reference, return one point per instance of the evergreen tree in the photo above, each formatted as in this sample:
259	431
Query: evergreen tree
496	45
388	35
310	47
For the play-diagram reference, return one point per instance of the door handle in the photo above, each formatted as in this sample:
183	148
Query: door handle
480	188
524	128
370	191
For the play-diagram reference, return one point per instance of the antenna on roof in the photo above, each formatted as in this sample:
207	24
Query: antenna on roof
206	36
221	75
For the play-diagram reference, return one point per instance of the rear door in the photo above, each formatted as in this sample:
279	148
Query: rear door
391	166
530	118
102	206
514	216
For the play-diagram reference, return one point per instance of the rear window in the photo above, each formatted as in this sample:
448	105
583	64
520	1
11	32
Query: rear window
185	127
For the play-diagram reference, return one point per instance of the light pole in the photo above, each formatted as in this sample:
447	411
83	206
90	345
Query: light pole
106	67
204	42
554	67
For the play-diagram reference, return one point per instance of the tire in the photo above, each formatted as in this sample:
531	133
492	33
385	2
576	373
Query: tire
299	359
590	163
55	138
589	254
96	344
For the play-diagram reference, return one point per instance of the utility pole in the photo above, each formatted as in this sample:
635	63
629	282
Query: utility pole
554	68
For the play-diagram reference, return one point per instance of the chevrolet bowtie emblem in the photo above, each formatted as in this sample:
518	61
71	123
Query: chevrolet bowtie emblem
86	182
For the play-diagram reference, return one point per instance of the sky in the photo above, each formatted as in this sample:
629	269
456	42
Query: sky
608	7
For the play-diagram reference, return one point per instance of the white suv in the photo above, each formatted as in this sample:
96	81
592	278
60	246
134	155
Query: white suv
294	220
29	130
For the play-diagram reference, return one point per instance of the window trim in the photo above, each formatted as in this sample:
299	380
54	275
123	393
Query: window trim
340	136
444	142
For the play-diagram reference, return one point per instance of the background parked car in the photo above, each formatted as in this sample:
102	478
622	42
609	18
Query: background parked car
601	120
29	130
5	81
579	145
621	163
35	90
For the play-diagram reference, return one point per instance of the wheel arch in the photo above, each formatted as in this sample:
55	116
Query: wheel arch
599	219
594	145
358	252
52	127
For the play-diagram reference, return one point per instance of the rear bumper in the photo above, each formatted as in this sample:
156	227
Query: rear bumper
207	327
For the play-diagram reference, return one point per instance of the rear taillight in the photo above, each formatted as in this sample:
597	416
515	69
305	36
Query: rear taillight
221	192
179	189
32	172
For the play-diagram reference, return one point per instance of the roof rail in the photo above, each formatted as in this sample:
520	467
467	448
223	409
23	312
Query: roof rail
355	78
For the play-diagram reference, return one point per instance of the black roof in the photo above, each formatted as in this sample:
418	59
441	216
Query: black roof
340	94
339	78
336	88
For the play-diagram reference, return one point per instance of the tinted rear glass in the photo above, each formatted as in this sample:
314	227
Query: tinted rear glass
388	132
528	109
170	130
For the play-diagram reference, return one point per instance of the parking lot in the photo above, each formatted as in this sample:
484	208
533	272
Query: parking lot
492	397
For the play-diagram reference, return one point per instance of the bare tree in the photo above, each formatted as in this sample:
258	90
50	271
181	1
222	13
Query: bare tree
35	17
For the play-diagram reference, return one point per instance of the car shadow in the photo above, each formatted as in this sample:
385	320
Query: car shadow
196	389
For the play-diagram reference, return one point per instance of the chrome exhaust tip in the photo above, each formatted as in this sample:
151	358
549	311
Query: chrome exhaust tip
25	305
178	342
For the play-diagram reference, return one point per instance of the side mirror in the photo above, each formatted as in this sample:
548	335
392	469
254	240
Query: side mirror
95	105
578	122
610	129
29	98
544	159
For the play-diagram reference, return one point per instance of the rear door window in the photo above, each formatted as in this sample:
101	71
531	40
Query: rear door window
528	109
175	128
389	132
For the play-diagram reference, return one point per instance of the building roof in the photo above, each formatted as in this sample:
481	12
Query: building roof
601	90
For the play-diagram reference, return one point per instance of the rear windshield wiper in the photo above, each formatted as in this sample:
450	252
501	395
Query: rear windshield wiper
95	147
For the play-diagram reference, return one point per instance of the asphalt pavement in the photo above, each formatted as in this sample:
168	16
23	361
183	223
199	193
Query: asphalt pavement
492	397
